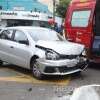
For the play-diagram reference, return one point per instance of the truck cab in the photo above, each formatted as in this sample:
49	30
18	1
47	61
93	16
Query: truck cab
82	25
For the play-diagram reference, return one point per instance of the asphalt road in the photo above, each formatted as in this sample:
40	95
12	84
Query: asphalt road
18	84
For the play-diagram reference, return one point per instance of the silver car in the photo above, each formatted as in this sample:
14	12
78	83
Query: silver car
42	50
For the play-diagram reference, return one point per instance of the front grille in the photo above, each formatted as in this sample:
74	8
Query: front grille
67	69
68	56
62	69
49	70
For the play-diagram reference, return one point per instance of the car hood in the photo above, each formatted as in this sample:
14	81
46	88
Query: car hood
62	47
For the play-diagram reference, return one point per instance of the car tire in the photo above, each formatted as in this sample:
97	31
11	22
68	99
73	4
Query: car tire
1	62
35	70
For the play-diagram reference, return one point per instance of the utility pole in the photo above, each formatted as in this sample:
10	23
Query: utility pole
54	4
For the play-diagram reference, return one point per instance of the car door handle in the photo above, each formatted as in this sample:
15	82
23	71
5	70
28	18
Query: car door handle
11	47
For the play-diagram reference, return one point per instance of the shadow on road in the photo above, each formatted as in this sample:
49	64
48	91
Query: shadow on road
89	72
17	68
29	73
81	76
94	66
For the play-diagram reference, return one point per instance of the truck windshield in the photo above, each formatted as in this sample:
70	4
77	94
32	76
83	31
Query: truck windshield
80	18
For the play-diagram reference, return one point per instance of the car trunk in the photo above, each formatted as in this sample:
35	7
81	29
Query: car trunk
96	42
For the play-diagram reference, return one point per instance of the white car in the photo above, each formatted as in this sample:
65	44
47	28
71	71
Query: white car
42	50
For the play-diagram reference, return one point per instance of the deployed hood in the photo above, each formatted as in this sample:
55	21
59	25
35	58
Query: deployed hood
62	47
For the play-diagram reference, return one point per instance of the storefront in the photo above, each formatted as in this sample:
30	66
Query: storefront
23	18
23	13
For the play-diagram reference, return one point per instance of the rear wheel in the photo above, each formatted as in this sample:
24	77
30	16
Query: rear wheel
35	70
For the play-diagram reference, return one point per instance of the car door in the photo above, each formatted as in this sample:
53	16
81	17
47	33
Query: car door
5	45
79	23
21	49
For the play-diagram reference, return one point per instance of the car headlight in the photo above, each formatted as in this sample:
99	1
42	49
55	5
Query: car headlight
84	53
51	55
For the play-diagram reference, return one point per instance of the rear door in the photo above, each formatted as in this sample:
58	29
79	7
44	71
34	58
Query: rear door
79	23
80	26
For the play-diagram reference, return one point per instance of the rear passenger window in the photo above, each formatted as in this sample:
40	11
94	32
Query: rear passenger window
6	34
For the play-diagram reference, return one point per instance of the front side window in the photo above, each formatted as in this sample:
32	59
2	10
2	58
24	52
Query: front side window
20	37
6	34
80	18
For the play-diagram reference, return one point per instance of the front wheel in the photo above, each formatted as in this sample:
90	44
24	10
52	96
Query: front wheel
35	70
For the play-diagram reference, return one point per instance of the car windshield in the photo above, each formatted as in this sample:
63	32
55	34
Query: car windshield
45	34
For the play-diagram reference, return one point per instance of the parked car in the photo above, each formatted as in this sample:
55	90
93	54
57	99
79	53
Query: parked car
42	50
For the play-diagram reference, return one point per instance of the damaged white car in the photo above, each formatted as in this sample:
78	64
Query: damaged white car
42	50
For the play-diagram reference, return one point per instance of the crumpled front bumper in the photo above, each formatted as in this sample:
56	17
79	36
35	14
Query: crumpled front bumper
62	67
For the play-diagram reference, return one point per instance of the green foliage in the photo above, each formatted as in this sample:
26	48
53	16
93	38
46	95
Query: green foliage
62	7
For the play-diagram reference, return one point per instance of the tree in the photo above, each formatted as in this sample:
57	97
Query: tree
62	7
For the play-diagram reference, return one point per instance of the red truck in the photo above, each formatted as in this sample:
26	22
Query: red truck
82	25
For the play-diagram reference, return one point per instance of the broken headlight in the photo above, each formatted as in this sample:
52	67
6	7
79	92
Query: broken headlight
51	55
84	53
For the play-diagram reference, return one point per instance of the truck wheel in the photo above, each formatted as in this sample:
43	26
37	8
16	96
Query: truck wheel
1	62
35	70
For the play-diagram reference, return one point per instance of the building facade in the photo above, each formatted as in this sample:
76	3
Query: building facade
23	5
49	3
23	13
